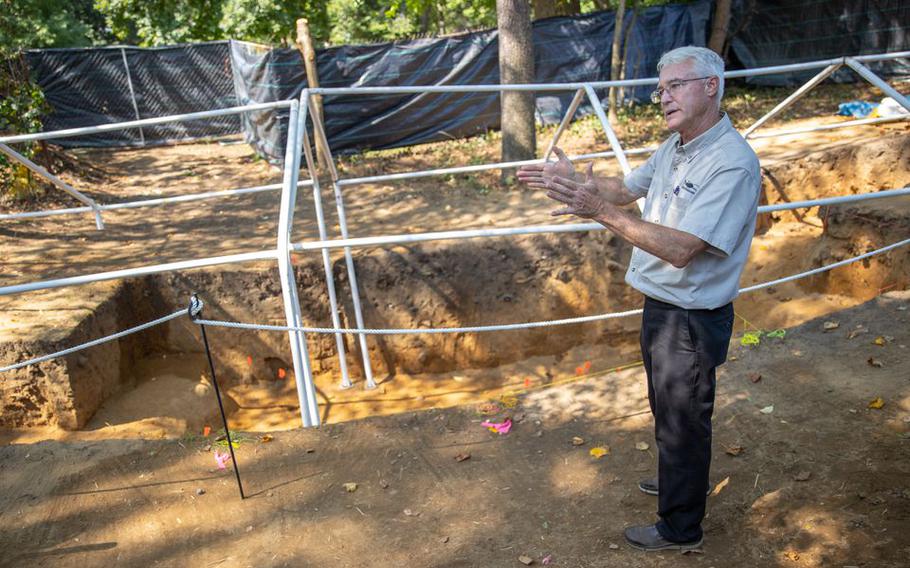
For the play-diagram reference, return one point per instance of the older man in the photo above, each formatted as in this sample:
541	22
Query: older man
690	245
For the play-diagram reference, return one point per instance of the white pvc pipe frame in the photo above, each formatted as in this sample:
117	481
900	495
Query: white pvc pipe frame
295	146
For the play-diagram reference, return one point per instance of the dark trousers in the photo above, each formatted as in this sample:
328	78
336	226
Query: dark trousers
681	349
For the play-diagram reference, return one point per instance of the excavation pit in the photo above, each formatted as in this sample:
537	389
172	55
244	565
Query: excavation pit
156	383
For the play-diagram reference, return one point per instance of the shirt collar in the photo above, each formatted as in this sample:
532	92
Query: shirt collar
693	147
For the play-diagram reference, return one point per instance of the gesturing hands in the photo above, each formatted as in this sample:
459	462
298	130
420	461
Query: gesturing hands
536	176
582	199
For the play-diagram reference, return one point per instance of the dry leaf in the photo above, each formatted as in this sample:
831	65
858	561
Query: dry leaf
463	456
266	438
754	377
880	341
526	560
877	403
794	556
508	400
803	476
350	487
720	486
410	513
641	446
577	440
599	451
875	362
858	331
383	483
767	410
734	450
830	325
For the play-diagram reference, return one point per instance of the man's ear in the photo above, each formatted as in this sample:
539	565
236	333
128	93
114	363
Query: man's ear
711	86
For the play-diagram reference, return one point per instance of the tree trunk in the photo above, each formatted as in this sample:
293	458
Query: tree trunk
549	8
719	27
627	45
516	65
616	59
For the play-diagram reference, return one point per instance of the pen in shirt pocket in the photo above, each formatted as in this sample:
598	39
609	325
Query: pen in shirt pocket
684	190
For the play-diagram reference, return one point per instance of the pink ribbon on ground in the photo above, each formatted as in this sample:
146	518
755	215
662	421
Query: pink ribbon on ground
498	427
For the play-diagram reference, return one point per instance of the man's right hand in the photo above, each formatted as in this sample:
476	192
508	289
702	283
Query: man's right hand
536	176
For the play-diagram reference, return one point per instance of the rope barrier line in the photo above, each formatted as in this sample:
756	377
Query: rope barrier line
94	342
824	268
536	324
414	331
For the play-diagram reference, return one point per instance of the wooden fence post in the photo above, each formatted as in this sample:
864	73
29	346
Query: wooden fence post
305	45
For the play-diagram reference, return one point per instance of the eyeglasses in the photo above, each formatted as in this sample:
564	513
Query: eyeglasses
673	88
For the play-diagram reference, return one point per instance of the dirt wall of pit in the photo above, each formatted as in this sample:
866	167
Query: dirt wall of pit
66	391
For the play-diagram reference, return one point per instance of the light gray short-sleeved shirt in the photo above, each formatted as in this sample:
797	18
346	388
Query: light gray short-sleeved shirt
708	188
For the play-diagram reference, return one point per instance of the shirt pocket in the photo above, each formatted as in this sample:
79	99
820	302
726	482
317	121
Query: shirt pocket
676	211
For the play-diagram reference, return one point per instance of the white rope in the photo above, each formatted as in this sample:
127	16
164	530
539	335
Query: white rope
429	330
94	342
535	324
824	268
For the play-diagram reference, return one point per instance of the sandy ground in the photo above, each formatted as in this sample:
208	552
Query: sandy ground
805	474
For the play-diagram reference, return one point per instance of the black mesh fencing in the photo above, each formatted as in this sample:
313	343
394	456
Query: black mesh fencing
86	87
777	32
95	86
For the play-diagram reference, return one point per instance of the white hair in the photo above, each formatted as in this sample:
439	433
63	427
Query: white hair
704	62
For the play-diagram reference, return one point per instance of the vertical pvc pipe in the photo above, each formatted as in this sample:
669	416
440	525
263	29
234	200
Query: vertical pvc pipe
611	136
576	100
798	94
868	75
78	195
321	138
129	81
320	220
303	374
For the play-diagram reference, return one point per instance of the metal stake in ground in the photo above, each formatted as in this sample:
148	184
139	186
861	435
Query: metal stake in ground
195	309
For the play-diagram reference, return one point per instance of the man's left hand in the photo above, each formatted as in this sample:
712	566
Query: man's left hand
581	199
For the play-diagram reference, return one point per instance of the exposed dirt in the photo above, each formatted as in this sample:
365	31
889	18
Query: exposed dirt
530	492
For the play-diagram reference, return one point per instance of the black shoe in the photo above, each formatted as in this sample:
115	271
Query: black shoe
647	538
650	486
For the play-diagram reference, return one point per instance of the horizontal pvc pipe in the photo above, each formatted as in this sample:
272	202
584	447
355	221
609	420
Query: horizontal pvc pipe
770	70
139	123
444	235
149	202
567	228
835	200
881	56
45	213
140	271
478	168
776	133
